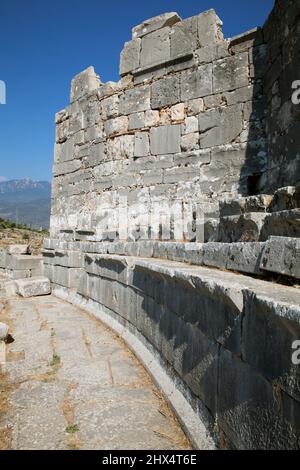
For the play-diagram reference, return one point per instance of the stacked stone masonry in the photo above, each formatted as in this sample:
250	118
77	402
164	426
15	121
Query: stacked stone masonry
184	170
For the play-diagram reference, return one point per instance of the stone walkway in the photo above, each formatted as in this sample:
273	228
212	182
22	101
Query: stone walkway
70	383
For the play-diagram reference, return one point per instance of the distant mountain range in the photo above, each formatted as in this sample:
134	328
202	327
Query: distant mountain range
26	201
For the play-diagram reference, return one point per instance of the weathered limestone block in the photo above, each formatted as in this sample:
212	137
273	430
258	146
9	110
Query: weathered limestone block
141	144
177	112
271	325
69	259
282	255
282	224
121	147
211	53
209	28
191	124
260	203
110	107
130	56
165	140
190	142
243	228
165	92
286	199
155	23
247	409
67	167
84	83
118	125
245	257
184	37
33	287
151	118
230	73
135	100
194	107
17	249
136	121
215	254
196	83
156	48
24	262
220	126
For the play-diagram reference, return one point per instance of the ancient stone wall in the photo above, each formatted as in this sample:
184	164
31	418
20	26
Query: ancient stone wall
166	171
175	135
281	32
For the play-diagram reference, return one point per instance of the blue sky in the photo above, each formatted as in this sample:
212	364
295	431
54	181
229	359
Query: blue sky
44	43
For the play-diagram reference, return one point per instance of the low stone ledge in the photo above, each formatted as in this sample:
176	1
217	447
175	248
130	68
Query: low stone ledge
208	331
282	255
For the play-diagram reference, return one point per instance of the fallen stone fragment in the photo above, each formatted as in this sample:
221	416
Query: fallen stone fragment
33	286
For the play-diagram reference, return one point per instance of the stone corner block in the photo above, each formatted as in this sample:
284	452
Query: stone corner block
83	83
130	56
155	23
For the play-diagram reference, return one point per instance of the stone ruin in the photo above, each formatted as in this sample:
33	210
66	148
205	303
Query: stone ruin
176	218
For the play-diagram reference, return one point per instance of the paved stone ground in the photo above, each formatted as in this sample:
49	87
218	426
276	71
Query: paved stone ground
70	383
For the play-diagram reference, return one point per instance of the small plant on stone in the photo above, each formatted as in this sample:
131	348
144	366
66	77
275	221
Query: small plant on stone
55	360
72	429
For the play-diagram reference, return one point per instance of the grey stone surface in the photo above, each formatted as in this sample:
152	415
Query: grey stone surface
141	144
230	73
130	56
184	37
94	399
220	126
33	287
155	23
165	92
17	249
165	139
156	48
135	100
196	83
209	28
282	255
84	83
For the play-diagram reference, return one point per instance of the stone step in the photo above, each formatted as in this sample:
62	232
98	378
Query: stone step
284	199
258	226
282	255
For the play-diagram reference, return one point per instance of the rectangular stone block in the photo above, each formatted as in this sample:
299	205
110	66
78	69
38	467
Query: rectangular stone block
248	412
245	257
155	23
220	126
282	255
141	144
196	83
165	140
24	262
165	92
209	28
135	100
270	327
230	73
136	121
35	286
184	37
130	56
156	48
